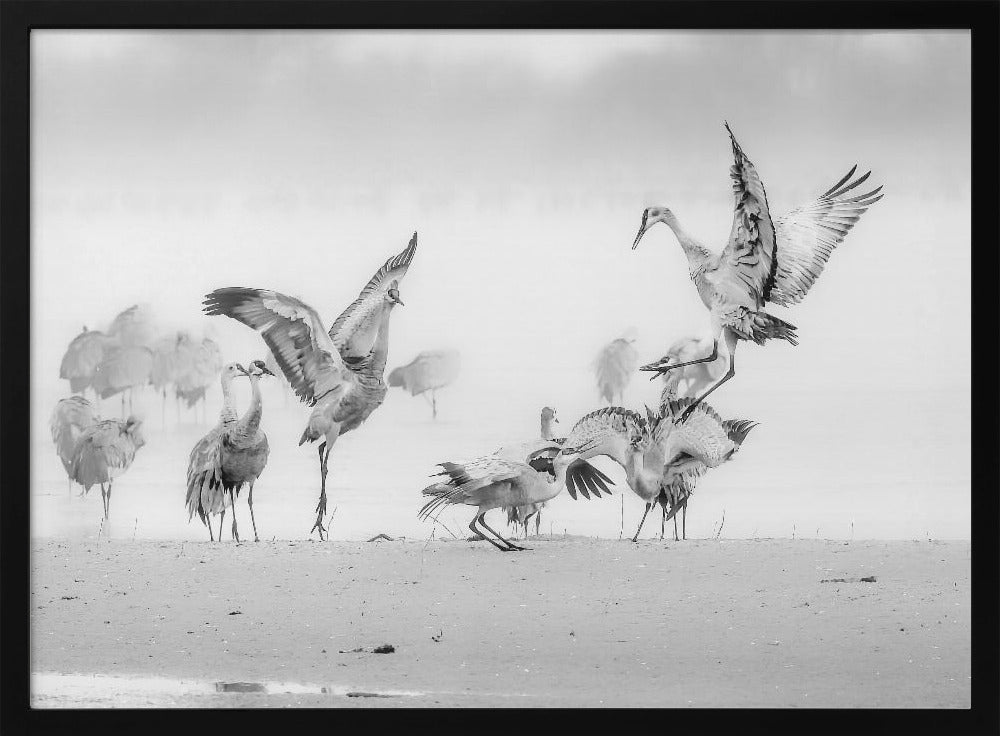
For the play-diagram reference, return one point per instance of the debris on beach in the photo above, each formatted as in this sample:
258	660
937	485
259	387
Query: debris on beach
437	637
236	613
368	695
381	649
869	579
386	537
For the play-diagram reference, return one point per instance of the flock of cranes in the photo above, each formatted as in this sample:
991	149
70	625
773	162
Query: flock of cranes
339	373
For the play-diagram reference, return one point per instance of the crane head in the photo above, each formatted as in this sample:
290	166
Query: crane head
258	368
392	296
650	216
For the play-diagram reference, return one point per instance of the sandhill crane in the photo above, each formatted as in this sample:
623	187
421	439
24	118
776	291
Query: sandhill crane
338	373
614	367
200	369
171	359
682	468
123	369
133	326
495	482
69	418
82	357
519	515
694	377
429	371
232	455
103	452
763	262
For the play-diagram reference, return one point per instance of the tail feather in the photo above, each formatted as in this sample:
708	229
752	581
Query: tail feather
738	429
761	326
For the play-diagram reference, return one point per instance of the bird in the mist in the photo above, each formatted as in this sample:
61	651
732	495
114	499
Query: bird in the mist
201	369
103	452
614	367
425	374
230	456
494	481
134	326
683	469
520	515
170	354
123	369
338	373
70	417
764	261
82	357
694	377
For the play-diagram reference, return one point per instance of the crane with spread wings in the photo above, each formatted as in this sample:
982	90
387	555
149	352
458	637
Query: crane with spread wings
337	372
764	261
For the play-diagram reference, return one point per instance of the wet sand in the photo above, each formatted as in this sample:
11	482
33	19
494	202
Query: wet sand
574	622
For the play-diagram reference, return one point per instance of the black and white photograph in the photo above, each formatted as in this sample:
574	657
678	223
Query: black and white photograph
500	368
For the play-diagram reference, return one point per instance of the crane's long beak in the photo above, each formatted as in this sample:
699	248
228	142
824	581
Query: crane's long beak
659	366
399	302
266	370
642	231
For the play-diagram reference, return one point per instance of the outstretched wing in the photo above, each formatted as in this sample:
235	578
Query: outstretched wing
748	261
464	479
292	330
806	236
354	331
610	431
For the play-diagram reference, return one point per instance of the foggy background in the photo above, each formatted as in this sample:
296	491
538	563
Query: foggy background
168	164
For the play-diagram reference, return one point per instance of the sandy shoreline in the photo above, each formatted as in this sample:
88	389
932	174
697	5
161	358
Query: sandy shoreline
574	622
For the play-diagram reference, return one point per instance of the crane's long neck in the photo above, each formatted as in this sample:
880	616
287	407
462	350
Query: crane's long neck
228	413
696	253
548	432
250	421
380	351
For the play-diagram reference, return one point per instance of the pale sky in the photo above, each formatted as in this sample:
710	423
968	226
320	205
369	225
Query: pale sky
169	163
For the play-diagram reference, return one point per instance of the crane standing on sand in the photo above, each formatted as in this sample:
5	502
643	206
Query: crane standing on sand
429	371
103	452
614	367
233	454
338	373
763	261
70	417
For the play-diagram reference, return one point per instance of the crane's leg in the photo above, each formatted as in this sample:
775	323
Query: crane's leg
104	502
232	501
730	338
478	533
676	538
641	522
659	366
324	457
663	522
107	508
684	519
123	404
252	520
163	416
208	523
222	518
434	404
489	528
538	523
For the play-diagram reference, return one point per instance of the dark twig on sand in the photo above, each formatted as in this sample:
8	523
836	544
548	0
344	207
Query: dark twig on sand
386	537
721	524
869	579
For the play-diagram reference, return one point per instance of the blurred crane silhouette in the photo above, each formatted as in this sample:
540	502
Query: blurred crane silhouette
231	455
134	326
171	358
123	369
70	417
614	367
429	371
201	368
694	377
338	373
103	452
763	261
82	357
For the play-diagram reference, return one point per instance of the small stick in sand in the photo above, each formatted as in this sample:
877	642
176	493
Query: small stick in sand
721	524
793	531
621	529
100	530
135	527
386	537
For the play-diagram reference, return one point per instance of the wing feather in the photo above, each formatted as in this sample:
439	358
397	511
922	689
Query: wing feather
354	331
292	330
807	236
749	258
